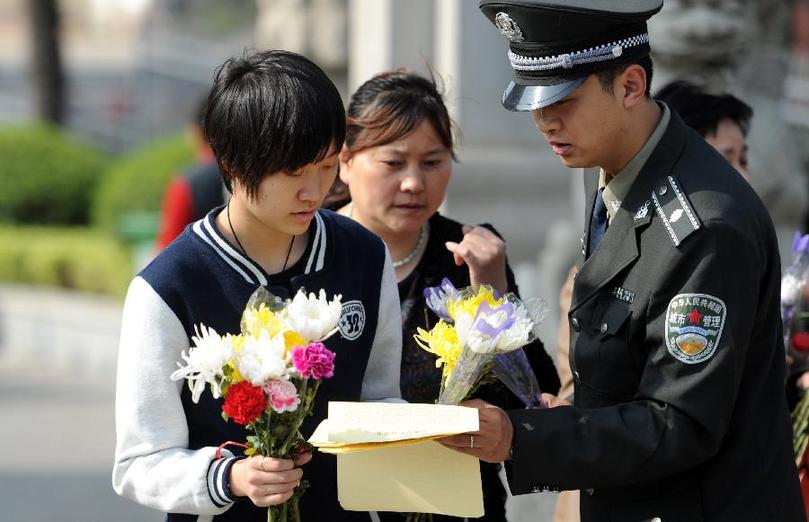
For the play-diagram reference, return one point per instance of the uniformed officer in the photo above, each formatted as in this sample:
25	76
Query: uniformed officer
677	352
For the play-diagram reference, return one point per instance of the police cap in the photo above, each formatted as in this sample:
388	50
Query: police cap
554	45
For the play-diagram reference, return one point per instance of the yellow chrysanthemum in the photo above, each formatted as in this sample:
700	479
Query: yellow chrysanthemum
261	319
291	340
470	304
236	341
442	341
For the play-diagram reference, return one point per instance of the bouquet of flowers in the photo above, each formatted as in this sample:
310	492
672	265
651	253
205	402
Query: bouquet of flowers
796	336
478	337
268	374
480	334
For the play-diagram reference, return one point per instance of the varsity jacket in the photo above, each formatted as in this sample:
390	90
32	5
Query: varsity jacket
166	444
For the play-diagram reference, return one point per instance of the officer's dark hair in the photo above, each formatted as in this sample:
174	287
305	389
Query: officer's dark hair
703	111
268	112
391	105
607	76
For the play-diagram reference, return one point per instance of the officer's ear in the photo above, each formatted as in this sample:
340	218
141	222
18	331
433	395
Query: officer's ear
632	85
345	164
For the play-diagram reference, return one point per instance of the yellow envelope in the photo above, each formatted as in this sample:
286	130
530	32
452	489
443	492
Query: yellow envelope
418	478
387	460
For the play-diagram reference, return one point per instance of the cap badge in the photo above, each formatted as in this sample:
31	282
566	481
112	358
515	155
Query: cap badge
508	27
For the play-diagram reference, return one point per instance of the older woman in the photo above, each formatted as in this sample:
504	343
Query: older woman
396	163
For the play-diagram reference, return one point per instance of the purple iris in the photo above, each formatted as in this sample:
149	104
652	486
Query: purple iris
800	243
437	297
485	311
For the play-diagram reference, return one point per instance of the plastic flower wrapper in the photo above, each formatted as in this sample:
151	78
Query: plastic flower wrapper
513	368
268	374
476	327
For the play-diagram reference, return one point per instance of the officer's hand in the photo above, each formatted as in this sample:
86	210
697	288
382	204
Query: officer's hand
492	441
803	381
485	255
265	480
552	401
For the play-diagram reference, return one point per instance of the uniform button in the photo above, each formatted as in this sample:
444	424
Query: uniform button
662	190
604	327
574	322
590	491
656	519
576	377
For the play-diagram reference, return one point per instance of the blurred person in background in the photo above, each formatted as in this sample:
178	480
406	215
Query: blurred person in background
195	191
396	164
722	119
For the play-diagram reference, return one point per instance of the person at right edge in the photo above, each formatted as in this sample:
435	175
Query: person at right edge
679	411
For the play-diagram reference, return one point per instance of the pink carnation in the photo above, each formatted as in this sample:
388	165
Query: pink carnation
313	361
282	395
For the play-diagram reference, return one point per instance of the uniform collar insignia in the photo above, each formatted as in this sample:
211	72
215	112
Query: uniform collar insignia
642	211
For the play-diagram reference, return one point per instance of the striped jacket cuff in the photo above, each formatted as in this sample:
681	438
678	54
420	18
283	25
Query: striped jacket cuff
219	481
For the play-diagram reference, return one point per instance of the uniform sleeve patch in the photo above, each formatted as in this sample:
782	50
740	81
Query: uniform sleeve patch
694	324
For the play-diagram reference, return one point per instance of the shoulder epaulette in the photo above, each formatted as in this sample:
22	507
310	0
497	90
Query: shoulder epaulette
675	210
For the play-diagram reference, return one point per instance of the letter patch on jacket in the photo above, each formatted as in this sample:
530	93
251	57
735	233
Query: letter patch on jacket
352	320
694	324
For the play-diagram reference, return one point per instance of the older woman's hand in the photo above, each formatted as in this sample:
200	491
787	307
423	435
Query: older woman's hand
485	255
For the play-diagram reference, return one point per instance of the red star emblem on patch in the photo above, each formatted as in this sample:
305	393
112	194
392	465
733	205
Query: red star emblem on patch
694	317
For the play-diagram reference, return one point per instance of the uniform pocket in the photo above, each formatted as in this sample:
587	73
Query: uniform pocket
612	318
615	372
604	361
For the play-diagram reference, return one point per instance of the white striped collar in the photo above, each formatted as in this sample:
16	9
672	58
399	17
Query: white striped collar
206	229
318	253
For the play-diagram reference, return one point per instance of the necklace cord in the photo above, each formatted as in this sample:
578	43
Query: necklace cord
241	247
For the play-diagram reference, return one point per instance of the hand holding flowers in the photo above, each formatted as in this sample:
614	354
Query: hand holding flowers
268	375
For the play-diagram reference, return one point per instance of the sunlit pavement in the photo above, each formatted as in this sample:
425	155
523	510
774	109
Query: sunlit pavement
58	442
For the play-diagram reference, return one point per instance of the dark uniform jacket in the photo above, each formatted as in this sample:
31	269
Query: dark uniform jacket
678	357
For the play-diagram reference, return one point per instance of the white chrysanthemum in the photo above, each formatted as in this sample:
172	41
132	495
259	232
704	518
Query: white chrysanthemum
313	317
517	335
470	337
262	358
205	362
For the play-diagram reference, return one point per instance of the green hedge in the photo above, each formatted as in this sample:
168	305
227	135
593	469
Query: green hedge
46	176
65	257
136	183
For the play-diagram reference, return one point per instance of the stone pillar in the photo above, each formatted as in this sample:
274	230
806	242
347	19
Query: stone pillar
386	34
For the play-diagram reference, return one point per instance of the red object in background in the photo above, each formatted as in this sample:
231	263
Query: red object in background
178	211
800	341
804	482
